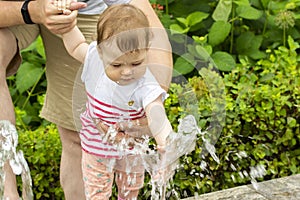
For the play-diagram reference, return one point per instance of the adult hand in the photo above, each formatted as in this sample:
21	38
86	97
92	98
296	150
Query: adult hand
46	13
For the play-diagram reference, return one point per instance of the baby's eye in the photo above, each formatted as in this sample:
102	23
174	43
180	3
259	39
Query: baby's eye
116	65
136	64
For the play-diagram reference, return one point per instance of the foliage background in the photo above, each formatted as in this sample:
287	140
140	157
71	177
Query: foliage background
248	48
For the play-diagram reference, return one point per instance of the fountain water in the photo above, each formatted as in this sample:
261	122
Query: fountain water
9	153
161	165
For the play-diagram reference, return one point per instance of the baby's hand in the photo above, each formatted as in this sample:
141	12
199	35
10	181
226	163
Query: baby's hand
162	140
63	5
135	128
161	143
118	135
166	170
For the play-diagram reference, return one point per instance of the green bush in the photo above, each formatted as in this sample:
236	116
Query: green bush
42	150
261	126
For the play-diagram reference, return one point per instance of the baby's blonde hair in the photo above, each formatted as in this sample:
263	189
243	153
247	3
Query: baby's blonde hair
128	23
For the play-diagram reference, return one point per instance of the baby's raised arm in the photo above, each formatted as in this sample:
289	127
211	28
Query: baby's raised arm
158	122
75	44
74	40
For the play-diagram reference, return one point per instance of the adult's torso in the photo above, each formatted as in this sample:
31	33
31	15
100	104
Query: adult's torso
98	6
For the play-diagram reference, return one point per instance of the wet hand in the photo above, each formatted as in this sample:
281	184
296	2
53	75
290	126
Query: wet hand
161	142
135	128
113	135
102	128
166	169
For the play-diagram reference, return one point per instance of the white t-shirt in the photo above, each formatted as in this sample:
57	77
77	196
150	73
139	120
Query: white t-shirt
111	102
95	7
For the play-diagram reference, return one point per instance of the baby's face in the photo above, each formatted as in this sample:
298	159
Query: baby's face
127	68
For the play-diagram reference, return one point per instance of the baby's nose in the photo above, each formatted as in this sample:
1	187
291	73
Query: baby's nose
127	71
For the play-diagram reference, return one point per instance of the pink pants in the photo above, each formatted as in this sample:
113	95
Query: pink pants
98	176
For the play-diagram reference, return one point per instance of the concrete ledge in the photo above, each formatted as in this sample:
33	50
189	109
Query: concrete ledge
287	188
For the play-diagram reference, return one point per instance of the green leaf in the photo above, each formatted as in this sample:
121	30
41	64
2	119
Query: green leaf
241	2
283	112
185	7
178	38
218	32
203	52
292	44
27	75
176	28
222	11
267	77
248	12
196	17
269	135
265	3
223	61
248	44
256	54
38	195
40	47
183	21
288	134
184	65
291	122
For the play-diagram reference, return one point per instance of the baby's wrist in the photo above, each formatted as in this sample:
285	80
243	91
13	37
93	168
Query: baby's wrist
161	148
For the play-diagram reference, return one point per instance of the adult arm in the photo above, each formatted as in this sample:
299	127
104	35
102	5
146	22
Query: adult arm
160	53
11	12
41	12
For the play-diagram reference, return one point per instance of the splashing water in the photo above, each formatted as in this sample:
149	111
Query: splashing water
162	165
254	172
8	153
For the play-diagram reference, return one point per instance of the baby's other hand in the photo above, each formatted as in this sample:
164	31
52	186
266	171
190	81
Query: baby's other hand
63	5
166	170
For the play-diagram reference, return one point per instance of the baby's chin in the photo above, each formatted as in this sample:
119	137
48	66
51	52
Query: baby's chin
126	81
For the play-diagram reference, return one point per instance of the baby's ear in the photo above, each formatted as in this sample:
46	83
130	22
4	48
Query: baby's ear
99	51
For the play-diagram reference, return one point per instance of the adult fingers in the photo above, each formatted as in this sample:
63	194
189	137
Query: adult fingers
59	24
77	5
60	28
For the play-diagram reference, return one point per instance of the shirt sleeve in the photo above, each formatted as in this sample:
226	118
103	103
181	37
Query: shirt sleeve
85	66
85	69
152	94
112	2
151	90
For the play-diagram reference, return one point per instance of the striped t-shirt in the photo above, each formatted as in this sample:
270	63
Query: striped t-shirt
111	103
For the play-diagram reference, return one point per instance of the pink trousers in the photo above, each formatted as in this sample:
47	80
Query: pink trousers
99	174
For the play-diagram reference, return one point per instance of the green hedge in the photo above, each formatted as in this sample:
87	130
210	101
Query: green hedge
42	150
261	127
